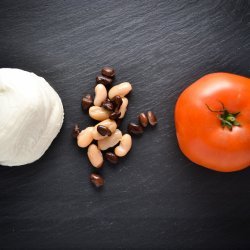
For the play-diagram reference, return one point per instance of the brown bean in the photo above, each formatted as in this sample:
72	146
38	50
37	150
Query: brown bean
115	115
117	101
152	118
135	129
75	131
104	80
107	104
111	157
108	71
87	101
97	180
111	124
103	130
143	120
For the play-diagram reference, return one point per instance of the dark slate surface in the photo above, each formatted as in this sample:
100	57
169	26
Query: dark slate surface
155	197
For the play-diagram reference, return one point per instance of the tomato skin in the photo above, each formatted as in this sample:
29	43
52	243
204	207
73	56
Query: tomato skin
200	134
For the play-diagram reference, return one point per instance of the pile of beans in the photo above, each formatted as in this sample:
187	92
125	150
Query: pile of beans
108	107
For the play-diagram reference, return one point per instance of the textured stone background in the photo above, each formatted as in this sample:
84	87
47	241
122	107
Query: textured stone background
155	197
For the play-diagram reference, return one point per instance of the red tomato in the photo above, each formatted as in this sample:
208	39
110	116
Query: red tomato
212	119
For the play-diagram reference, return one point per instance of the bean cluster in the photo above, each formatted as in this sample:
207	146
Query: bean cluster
109	107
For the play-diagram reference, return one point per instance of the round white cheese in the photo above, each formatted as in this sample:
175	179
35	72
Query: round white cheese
31	116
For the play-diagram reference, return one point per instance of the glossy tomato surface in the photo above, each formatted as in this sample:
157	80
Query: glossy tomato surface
202	134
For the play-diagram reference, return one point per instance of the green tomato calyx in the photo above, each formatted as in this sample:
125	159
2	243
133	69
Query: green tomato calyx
227	119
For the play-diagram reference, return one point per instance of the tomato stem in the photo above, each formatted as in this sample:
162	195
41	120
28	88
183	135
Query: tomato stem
227	119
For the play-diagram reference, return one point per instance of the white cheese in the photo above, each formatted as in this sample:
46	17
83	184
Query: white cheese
31	116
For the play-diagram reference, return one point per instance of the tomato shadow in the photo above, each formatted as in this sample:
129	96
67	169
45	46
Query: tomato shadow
217	194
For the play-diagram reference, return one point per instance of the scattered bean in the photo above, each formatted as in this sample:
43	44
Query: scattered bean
115	115
97	180
95	156
110	141
152	118
75	131
107	104
143	120
124	146
87	101
98	113
121	89
104	80
100	94
110	124
103	130
109	108
108	71
117	101
123	107
85	137
135	129
111	157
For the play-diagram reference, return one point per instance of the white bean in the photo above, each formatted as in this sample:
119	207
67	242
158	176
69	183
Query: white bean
123	107
124	146
95	156
110	124
85	137
121	89
99	113
100	94
110	141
